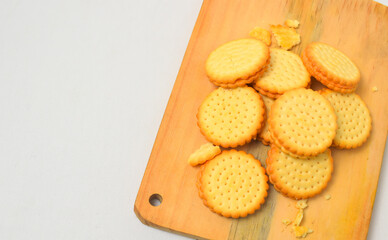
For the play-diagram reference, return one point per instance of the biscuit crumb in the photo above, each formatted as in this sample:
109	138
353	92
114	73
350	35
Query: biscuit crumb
261	34
286	222
375	89
286	37
298	218
327	196
301	204
292	23
301	231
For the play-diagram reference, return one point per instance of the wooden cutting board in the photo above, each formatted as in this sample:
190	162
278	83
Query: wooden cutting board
359	29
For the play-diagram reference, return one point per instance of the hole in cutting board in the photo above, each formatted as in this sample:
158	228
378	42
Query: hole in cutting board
155	200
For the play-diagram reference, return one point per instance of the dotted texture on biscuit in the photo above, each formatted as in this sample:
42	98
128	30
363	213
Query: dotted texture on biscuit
302	122
353	119
206	152
299	178
285	72
330	66
233	184
239	59
231	117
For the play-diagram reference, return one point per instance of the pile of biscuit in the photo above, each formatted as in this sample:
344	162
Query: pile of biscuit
264	93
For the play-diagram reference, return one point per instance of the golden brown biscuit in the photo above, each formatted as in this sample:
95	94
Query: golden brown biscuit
233	184
302	122
231	117
285	72
299	178
353	119
331	67
236	61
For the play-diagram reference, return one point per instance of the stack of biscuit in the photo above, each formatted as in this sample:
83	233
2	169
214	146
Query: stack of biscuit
303	124
298	123
233	183
237	63
331	67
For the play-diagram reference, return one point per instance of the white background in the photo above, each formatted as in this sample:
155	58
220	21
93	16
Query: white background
83	88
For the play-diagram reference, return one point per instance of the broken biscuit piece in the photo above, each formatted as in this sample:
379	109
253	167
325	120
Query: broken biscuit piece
292	23
206	152
261	34
327	196
299	231
285	37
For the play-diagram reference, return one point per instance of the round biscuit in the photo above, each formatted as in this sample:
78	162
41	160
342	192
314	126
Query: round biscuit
302	122
331	85
233	184
231	117
285	72
329	65
236	60
299	178
353	119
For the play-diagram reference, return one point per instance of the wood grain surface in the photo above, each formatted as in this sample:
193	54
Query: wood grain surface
359	29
